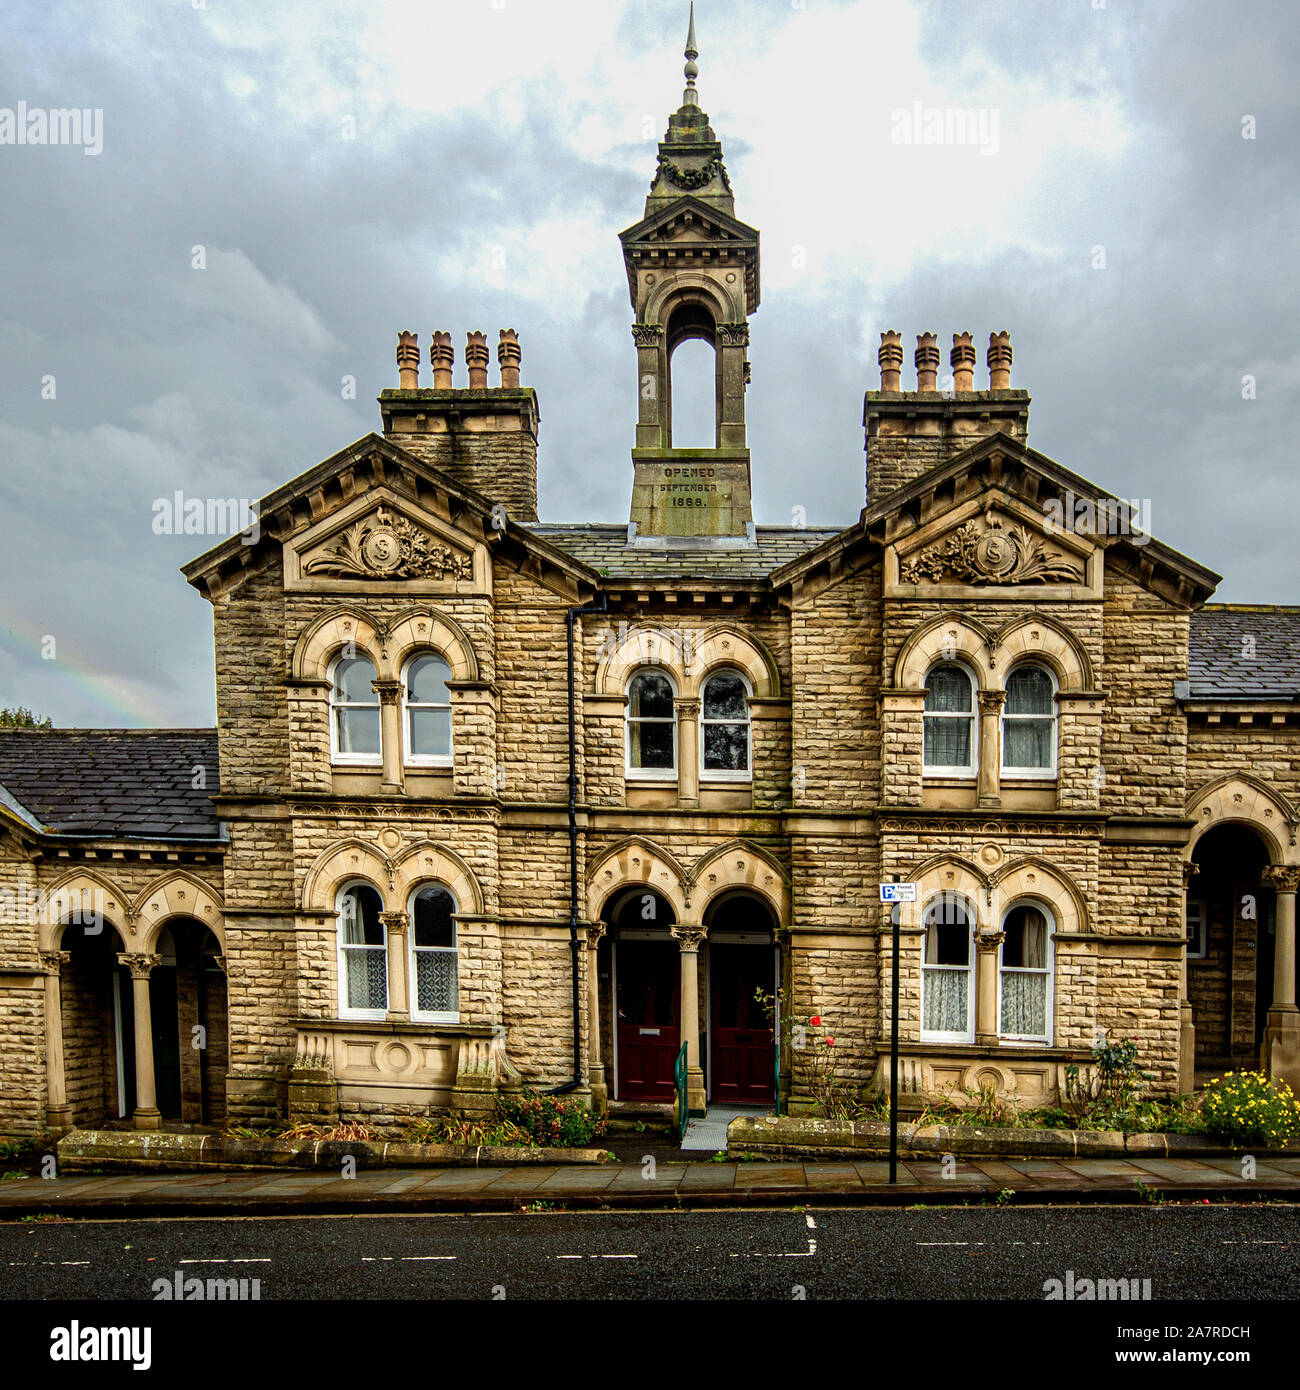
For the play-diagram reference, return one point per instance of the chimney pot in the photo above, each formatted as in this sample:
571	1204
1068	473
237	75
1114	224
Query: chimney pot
963	362
890	357
408	361
442	355
927	362
476	358
999	360
508	355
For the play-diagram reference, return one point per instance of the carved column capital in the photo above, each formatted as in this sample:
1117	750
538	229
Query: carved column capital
688	938
389	692
1190	870
393	921
989	941
595	932
733	334
140	965
1283	877
991	701
647	334
687	709
53	961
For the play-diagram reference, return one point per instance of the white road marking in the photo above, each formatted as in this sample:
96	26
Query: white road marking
597	1257
952	1242
428	1257
812	1225
779	1254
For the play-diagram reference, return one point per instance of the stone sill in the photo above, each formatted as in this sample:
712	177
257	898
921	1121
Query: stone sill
133	1150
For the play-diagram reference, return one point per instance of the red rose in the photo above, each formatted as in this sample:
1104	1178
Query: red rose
815	1021
830	1042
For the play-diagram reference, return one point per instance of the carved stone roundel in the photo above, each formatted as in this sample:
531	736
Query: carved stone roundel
382	550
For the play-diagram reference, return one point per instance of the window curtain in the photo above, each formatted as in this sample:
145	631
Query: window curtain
946	999
1024	990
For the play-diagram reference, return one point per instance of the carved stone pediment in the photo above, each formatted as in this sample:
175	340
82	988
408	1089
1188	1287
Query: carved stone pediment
996	548
377	543
990	553
385	545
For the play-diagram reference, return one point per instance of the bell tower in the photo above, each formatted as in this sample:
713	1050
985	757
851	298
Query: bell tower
692	272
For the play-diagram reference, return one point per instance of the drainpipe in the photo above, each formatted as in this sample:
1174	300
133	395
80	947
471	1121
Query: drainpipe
575	946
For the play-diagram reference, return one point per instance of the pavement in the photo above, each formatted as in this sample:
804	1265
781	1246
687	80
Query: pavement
651	1184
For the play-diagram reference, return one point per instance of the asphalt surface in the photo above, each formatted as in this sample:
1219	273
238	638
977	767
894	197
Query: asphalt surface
1232	1253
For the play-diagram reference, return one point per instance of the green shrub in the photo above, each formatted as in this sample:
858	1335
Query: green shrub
551	1120
1247	1108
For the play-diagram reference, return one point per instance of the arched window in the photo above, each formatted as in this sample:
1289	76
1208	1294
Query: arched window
426	711
947	979
651	725
363	953
1029	723
724	727
950	743
354	711
1025	975
434	966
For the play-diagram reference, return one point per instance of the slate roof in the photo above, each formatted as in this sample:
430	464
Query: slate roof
1224	663
605	547
113	783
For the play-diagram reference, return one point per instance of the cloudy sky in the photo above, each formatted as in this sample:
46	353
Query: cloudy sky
349	170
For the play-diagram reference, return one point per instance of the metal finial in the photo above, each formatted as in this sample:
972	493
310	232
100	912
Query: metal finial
689	97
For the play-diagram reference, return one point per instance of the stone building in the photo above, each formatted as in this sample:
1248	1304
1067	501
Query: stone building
493	801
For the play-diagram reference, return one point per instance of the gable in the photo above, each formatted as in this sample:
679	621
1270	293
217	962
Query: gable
382	542
988	545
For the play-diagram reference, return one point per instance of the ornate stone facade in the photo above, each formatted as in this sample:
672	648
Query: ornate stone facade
443	856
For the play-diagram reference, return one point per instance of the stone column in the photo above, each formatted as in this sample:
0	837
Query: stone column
390	733
688	752
399	989
990	750
652	378
58	1112
146	1114
1186	1021
1280	1051
732	367
595	1062
986	986
688	940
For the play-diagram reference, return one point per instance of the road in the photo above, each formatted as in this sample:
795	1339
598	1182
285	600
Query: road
1187	1252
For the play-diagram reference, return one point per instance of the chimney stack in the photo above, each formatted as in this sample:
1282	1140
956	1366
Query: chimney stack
927	362
442	355
508	356
476	359
890	357
408	362
999	360
963	362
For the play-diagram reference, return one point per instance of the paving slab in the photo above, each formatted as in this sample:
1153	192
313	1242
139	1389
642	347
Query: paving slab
709	1177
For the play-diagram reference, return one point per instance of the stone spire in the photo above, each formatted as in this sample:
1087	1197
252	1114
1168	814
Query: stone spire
690	154
689	97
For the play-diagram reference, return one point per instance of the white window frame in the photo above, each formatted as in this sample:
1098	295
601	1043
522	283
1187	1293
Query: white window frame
412	968
649	774
409	758
352	759
1048	969
971	771
717	774
972	924
1041	774
1198	916
345	1010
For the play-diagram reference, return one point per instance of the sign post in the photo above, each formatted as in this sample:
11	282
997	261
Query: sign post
894	893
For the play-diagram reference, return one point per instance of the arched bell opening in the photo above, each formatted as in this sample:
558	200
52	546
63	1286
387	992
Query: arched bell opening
693	388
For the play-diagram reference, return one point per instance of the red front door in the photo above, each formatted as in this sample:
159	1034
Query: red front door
649	981
741	1057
